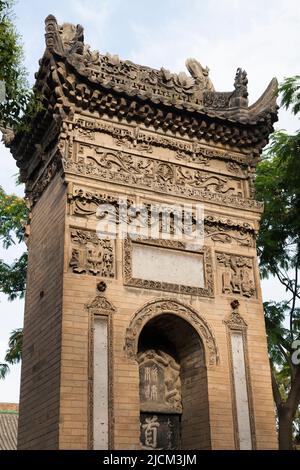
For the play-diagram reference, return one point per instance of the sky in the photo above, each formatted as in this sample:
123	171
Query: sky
261	36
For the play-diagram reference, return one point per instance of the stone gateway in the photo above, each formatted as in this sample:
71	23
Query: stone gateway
141	342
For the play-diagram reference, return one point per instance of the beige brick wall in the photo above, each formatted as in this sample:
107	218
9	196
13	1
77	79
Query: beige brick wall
81	289
40	380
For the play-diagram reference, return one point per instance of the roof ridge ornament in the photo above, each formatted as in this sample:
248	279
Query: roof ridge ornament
200	74
239	97
52	37
65	38
73	38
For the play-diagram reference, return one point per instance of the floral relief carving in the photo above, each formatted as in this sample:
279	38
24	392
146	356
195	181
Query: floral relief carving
142	172
208	181
91	255
142	140
225	230
85	202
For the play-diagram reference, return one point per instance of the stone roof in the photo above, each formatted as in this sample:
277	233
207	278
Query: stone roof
73	78
8	426
194	92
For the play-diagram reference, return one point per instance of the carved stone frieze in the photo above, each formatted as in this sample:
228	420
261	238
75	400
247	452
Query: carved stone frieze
35	190
225	230
158	307
143	140
209	181
85	203
237	275
122	137
216	100
91	255
146	173
130	280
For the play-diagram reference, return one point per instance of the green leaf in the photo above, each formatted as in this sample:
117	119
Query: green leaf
15	343
13	277
4	370
13	216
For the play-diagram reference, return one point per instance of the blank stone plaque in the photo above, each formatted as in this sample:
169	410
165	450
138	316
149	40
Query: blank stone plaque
167	265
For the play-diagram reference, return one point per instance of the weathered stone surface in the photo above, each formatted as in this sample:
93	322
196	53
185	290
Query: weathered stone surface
175	266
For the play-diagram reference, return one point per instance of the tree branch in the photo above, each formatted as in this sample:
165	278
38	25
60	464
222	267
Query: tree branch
288	360
293	399
275	389
294	302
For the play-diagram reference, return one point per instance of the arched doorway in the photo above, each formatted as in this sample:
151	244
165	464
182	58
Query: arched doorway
174	407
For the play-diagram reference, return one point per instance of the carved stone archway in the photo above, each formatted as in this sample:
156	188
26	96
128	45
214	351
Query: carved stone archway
173	306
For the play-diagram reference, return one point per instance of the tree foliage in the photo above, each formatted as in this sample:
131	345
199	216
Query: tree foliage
18	95
278	186
13	353
13	215
17	105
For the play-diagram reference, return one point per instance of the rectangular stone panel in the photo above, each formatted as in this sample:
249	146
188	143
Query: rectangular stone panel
100	384
241	392
167	265
160	431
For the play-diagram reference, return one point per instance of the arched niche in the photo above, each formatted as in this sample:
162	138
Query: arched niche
172	358
180	309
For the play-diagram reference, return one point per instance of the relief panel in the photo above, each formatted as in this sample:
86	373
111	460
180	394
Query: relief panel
160	400
85	202
236	274
130	170
160	385
91	255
